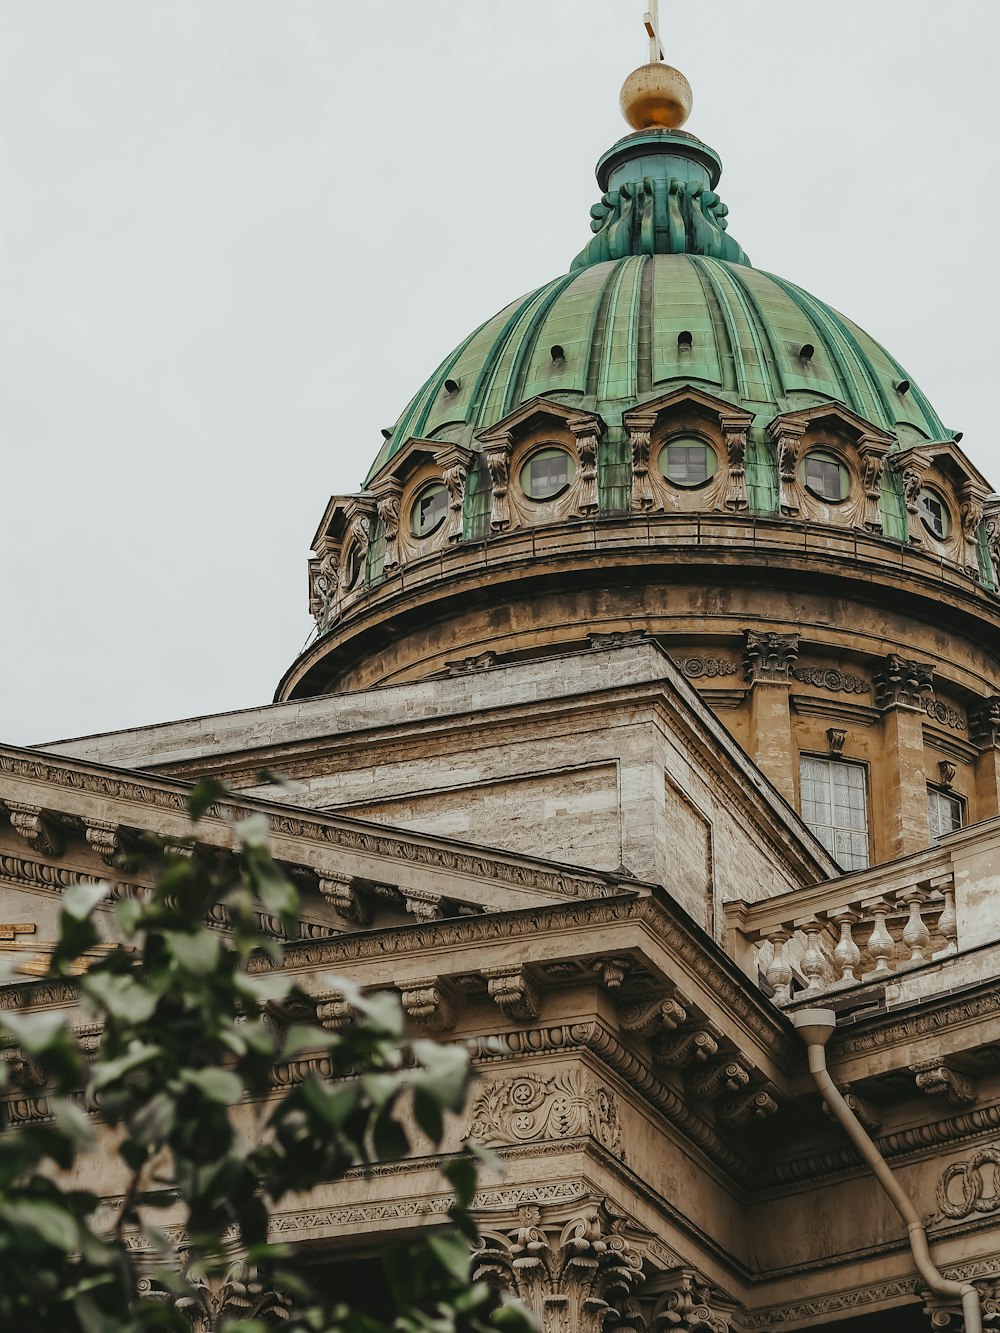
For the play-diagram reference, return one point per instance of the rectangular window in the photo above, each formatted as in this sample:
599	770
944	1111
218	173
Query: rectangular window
944	812
835	806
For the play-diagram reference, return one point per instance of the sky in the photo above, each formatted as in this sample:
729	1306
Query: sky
236	235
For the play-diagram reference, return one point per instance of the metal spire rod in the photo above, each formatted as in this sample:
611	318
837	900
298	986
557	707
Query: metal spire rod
652	21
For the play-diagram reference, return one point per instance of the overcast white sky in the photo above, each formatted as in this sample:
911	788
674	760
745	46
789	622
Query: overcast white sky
235	235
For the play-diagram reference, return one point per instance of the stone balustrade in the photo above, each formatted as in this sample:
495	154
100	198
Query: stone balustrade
813	942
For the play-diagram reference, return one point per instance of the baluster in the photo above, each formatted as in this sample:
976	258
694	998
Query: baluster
811	963
881	946
779	971
948	923
847	954
916	936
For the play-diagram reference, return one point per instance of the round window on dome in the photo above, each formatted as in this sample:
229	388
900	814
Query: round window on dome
688	462
429	510
547	474
934	511
826	476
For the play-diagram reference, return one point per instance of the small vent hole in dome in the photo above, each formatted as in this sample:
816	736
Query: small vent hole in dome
958	435
684	339
386	433
557	353
452	386
807	351
903	386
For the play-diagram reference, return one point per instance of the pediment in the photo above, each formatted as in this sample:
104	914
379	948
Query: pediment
950	460
537	411
688	396
413	454
337	516
856	427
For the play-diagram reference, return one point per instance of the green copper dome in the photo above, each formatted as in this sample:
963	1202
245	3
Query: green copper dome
608	335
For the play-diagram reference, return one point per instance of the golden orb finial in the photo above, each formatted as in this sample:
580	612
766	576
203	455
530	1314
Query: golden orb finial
656	96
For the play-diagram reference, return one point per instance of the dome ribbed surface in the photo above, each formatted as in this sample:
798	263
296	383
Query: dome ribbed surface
618	324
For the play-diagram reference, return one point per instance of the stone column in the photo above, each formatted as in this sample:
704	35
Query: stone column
587	439
786	436
872	454
734	431
901	691
769	660
454	465
640	434
498	465
387	503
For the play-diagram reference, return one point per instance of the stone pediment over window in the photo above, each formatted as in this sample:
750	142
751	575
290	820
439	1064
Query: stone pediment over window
689	452
831	466
945	496
419	495
341	545
540	464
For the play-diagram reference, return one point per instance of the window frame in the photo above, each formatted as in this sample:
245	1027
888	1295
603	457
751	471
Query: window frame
549	447
687	440
428	488
860	766
947	794
825	454
946	514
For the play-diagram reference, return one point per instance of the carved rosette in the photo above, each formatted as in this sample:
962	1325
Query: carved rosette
586	435
735	435
769	658
640	435
498	466
571	1276
529	1108
902	683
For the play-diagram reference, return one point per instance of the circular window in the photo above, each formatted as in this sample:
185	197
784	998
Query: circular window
934	512
687	462
547	474
429	510
826	476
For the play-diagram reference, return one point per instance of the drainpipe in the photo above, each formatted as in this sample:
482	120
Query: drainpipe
815	1027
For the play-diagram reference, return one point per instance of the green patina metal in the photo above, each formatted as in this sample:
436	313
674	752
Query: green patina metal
660	264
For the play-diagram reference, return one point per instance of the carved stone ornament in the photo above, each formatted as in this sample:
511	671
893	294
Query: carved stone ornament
652	1018
787	439
971	511
872	455
971	1185
421	904
619	638
937	1080
572	1277
468	665
105	839
678	1050
984	724
454	465
427	1003
735	436
325	587
699	668
498	466
686	1302
947	770
31	825
829	678
529	1108
586	435
340	892
512	990
836	737
388	513
640	435
239	1296
901	683
769	658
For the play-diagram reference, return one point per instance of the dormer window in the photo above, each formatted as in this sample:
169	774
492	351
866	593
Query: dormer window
687	462
547	474
934	512
429	510
826	476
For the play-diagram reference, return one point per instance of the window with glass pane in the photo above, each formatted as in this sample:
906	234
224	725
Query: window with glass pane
826	477
547	474
687	462
835	806
429	510
944	812
934	512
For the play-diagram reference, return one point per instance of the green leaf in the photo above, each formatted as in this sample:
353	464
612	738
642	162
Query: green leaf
196	951
154	1121
445	1075
218	1085
452	1252
73	1121
54	1225
263	985
120	995
205	794
463	1177
109	1071
332	1103
254	831
79	900
301	1038
128	913
37	1033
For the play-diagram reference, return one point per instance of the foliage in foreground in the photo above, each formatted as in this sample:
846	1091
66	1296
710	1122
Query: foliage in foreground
192	1033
